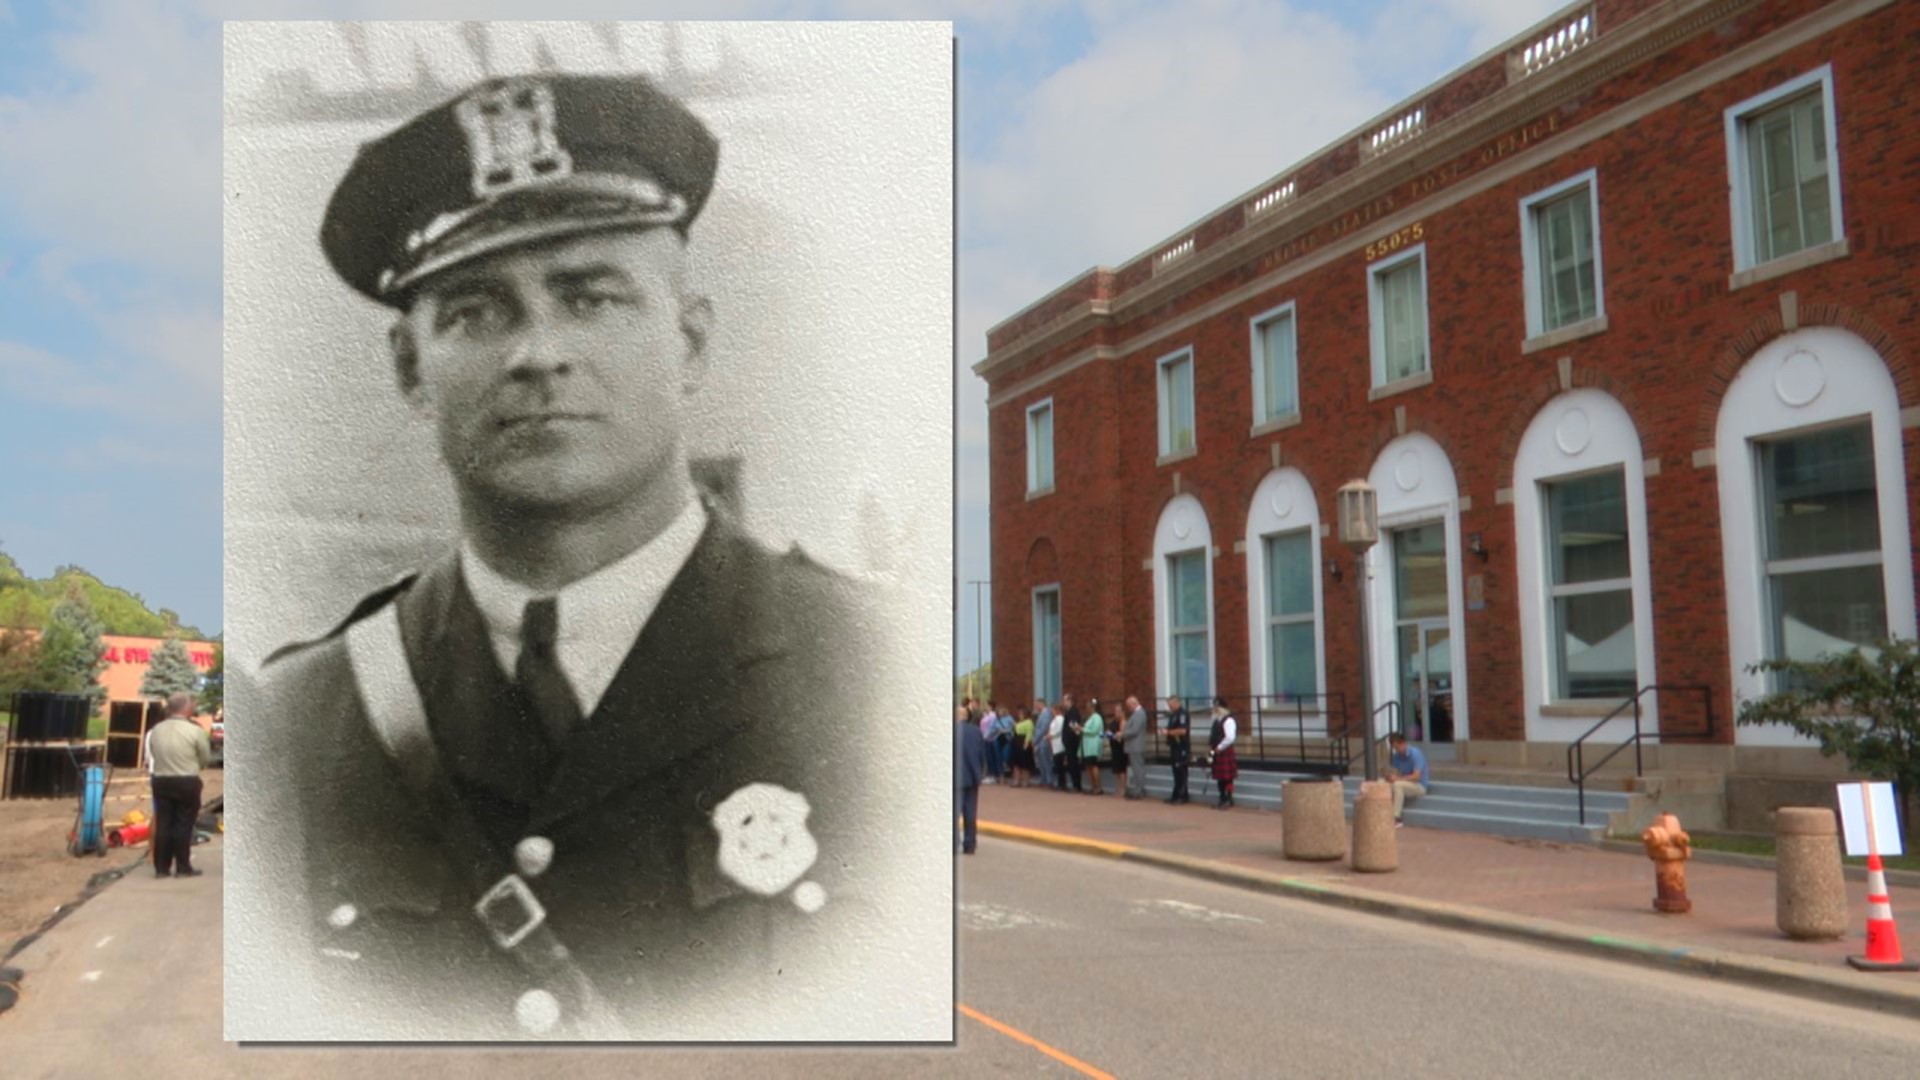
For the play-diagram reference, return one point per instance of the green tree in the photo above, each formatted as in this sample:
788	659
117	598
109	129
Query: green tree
1863	703
19	660
170	672
71	654
978	682
213	686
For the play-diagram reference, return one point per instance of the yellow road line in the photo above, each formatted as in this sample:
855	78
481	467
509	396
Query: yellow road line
1016	832
1016	1035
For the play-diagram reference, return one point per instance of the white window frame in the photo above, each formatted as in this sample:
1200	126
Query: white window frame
1283	502
1854	382
1771	568
1530	256
1553	591
1264	416
1183	527
1034	487
1203	630
1579	431
1039	642
1162	380
1310	617
1740	183
1377	320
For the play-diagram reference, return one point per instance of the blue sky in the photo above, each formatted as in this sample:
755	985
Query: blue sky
1089	131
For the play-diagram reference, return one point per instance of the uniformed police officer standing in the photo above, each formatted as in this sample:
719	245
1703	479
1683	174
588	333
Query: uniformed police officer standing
560	783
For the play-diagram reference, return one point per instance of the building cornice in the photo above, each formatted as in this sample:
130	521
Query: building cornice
1612	52
1750	54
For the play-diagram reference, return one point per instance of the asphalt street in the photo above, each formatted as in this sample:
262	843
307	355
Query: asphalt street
1072	966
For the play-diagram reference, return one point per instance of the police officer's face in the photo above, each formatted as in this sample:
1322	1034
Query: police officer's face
555	374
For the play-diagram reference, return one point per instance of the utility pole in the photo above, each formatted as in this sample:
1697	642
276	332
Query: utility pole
978	619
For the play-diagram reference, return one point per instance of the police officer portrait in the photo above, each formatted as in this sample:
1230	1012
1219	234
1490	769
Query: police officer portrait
588	449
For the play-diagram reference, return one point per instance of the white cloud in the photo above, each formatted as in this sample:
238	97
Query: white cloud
118	157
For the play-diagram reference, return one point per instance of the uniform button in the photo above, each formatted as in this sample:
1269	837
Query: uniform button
810	897
533	855
537	1011
343	916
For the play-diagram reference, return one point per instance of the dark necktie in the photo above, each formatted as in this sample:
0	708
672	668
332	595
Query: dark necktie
538	672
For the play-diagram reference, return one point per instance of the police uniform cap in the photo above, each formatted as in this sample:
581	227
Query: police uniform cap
511	162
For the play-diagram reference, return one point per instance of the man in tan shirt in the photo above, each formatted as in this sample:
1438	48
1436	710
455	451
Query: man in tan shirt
177	749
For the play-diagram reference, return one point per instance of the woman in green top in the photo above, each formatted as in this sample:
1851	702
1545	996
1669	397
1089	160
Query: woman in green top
1023	749
1090	740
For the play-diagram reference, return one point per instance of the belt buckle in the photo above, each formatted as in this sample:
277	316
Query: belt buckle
525	906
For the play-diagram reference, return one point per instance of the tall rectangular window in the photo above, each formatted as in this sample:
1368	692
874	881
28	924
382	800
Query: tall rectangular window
1786	187
1040	446
1292	668
1821	542
1559	229
1046	643
1187	623
1590	587
1275	373
1399	309
1176	403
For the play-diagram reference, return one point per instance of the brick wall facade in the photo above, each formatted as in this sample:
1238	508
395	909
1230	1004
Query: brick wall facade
1677	335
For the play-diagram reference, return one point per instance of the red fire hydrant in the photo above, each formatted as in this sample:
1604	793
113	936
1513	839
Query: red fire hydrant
1669	846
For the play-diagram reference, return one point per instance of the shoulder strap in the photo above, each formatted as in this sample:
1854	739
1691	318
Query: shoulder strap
508	908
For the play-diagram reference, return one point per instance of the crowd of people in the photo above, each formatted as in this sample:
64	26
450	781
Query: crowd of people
1066	748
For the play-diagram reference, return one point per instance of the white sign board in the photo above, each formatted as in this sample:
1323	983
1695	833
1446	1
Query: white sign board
1853	819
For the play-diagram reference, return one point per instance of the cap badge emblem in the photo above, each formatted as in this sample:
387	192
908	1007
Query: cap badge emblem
512	139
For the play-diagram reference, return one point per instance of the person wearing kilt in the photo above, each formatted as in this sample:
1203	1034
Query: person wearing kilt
1226	765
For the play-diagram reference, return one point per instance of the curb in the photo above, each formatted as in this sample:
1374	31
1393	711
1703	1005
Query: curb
1905	878
1786	976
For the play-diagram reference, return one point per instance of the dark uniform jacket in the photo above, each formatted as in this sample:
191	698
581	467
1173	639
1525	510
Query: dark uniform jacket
753	669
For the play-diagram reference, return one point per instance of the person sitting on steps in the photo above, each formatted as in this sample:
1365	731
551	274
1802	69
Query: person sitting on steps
1407	771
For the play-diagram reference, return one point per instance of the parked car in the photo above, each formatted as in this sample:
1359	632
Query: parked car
218	733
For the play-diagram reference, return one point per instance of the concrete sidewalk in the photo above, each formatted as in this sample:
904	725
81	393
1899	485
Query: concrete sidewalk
1571	896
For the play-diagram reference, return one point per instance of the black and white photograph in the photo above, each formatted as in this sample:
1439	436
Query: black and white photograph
588	516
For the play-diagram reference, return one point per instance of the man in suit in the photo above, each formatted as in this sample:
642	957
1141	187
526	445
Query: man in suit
969	769
1133	742
561	783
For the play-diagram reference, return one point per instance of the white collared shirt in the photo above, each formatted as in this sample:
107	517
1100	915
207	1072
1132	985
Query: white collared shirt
601	615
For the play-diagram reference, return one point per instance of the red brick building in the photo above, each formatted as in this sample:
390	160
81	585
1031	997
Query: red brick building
1619	320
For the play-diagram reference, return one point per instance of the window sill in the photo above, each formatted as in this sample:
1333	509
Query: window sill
1401	386
1594	709
1039	493
1570	332
1177	455
1787	264
1278	423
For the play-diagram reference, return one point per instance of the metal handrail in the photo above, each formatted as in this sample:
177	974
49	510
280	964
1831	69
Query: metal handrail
1292	720
1577	770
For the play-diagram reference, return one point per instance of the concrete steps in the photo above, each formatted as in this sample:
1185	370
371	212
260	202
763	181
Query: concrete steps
1536	811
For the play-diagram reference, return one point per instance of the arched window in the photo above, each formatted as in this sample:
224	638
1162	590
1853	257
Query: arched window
1284	622
1183	599
1580	524
1416	625
1813	507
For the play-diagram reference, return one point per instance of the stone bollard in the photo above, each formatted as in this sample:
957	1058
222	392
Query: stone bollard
1375	846
1669	846
1313	820
1810	891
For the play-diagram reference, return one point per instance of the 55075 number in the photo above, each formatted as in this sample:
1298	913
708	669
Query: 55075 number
1412	234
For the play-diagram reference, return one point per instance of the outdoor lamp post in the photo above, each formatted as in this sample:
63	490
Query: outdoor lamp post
1358	512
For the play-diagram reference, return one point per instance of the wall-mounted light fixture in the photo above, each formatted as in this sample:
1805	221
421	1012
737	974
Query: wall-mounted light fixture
1333	569
1477	546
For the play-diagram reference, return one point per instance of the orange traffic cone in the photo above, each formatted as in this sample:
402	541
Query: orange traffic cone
1883	938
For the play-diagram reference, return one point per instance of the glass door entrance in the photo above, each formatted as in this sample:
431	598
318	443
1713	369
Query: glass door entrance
1423	648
